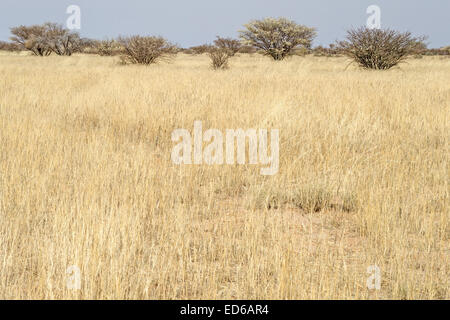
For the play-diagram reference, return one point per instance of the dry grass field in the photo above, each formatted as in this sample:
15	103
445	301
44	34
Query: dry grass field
86	179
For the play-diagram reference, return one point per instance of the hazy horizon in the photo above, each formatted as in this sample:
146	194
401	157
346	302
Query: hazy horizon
200	21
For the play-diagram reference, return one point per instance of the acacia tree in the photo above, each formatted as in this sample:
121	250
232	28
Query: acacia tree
379	49
277	37
31	38
44	39
62	41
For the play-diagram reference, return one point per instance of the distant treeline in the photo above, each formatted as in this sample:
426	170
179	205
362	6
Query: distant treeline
277	38
108	48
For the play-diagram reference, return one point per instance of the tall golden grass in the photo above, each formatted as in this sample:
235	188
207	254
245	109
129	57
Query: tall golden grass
86	179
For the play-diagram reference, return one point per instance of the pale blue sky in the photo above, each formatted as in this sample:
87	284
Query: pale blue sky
192	22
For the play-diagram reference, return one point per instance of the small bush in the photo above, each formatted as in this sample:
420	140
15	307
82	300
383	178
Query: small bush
301	52
185	51
445	51
419	47
204	48
232	46
89	46
331	51
109	48
379	49
247	49
146	50
219	58
9	46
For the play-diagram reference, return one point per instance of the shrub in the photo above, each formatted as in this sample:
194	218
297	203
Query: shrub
377	48
301	52
9	46
204	48
185	51
146	50
445	51
109	48
419	47
247	49
219	58
330	51
277	37
89	46
230	45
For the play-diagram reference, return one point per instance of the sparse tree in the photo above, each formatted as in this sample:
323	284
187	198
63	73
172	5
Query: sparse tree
232	46
379	49
146	50
277	37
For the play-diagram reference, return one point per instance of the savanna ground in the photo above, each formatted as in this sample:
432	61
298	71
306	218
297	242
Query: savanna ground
86	179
